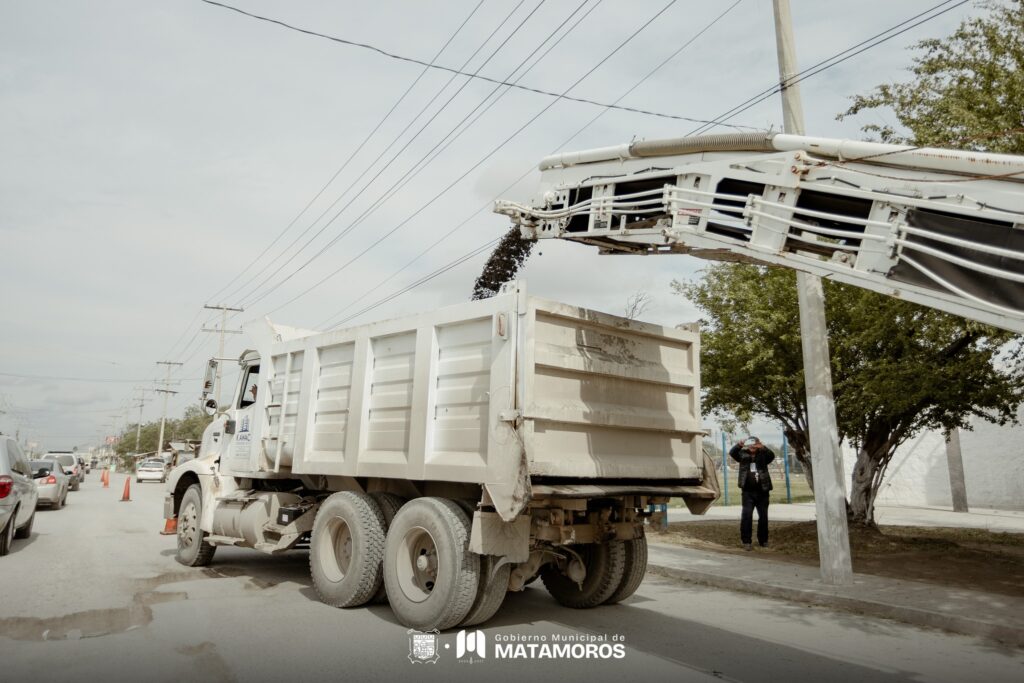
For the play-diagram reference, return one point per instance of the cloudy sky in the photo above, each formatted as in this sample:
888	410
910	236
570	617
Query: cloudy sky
151	151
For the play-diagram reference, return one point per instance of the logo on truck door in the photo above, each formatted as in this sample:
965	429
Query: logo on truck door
243	439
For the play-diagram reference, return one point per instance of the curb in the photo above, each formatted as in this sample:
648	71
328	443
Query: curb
910	615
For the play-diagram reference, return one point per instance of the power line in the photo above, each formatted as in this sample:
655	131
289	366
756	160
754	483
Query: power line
350	158
459	72
483	159
374	205
423	280
530	169
74	379
834	60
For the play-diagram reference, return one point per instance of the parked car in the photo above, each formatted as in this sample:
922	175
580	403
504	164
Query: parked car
151	470
51	483
18	495
69	463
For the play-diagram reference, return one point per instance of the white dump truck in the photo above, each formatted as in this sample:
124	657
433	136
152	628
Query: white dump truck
439	460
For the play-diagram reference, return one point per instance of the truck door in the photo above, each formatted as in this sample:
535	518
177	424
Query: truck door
245	442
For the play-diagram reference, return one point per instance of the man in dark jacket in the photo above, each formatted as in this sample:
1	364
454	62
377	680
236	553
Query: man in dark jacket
755	483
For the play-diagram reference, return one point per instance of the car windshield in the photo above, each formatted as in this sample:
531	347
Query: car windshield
42	465
152	463
65	460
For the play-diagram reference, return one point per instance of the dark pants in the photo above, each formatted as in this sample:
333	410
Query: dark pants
754	499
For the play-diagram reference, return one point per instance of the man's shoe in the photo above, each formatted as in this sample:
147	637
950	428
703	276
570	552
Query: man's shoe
747	546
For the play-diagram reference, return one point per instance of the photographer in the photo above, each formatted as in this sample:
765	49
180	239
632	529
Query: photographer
755	483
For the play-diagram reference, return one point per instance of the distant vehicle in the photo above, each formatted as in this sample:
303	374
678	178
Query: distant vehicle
18	495
151	470
95	462
51	483
69	463
84	465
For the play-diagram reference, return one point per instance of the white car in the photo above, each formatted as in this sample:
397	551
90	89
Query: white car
151	470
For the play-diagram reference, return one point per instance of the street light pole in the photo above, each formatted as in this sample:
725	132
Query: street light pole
826	457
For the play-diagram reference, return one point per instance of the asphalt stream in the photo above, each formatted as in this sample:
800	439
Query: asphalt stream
95	594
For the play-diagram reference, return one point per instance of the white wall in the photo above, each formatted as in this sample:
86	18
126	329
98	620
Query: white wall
993	468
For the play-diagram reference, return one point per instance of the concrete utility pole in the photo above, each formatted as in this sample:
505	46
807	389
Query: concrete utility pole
138	425
166	392
826	457
955	462
222	330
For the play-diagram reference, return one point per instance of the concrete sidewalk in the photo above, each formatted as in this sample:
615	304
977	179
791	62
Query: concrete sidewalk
992	520
974	613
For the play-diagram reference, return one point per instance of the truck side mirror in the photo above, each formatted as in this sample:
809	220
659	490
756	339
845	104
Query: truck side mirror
210	407
210	377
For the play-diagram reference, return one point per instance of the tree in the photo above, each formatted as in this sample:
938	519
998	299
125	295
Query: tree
503	264
897	368
189	427
967	90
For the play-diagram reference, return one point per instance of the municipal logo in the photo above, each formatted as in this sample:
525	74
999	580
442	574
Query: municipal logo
423	646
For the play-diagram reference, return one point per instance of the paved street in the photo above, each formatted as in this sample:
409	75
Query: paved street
95	594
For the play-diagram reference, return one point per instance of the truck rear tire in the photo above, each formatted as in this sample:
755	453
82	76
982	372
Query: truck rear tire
430	574
346	549
491	592
605	563
193	550
389	504
635	569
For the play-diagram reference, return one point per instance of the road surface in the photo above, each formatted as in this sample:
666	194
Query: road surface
95	594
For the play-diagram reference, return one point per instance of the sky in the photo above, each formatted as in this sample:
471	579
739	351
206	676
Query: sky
152	152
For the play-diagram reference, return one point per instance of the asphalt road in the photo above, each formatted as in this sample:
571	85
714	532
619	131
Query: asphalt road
95	594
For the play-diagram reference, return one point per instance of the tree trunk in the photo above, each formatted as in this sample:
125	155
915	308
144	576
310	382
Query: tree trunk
862	488
798	442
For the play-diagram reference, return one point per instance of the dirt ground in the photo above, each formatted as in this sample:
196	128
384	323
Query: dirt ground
967	558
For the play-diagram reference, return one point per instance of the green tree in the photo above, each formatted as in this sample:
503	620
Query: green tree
967	89
189	427
897	368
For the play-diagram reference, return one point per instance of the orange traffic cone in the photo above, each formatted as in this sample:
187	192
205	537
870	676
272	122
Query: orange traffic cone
105	478
126	497
170	527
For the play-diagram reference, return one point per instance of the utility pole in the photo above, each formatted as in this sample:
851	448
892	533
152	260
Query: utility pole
826	456
138	425
222	330
166	392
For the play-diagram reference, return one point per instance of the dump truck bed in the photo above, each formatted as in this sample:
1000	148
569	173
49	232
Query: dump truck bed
508	392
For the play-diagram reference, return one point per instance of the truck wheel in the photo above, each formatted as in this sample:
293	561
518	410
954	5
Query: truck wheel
605	564
633	575
389	504
491	592
430	574
26	531
346	549
193	550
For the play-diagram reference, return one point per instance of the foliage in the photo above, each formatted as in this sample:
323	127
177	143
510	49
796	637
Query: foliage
189	427
967	89
897	368
503	264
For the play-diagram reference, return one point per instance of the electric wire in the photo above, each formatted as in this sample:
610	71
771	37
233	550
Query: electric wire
459	72
384	168
834	60
487	156
352	155
531	168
